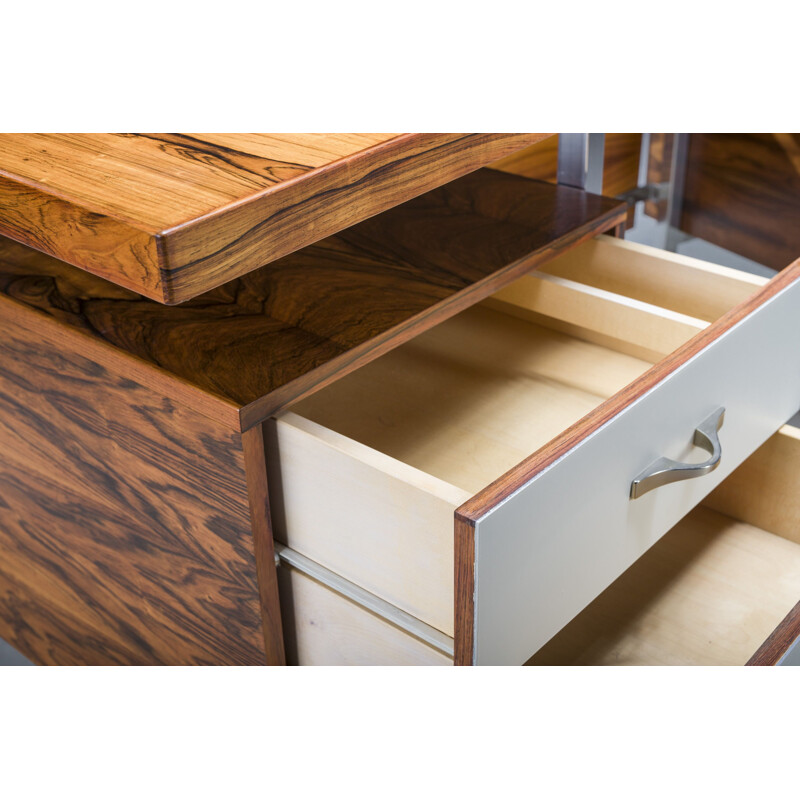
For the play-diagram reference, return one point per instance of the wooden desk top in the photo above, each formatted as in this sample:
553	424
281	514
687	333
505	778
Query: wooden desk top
171	216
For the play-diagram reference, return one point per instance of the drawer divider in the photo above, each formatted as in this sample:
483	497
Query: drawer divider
622	318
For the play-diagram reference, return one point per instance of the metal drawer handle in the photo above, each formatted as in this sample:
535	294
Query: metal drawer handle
665	470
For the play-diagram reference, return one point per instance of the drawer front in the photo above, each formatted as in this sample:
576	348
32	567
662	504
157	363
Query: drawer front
538	545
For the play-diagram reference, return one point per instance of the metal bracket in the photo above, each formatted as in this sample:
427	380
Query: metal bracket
650	191
581	158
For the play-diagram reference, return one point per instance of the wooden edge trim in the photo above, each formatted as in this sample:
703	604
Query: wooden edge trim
350	160
255	463
314	380
377	167
778	642
499	490
43	326
346	164
464	623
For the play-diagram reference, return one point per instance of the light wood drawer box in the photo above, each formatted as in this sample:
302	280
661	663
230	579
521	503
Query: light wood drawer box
710	592
367	474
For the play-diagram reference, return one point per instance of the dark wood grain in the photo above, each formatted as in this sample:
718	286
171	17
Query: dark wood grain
483	502
278	334
742	193
124	528
261	522
464	639
171	216
778	642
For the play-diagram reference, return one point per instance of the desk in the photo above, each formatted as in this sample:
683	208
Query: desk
140	492
135	521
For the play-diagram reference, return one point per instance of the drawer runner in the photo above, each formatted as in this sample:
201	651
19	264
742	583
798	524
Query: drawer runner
364	599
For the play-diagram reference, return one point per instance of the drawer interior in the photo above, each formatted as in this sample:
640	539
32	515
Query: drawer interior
366	473
471	398
714	587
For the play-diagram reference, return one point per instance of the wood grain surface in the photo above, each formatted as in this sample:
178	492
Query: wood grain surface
464	639
171	216
255	458
778	642
279	333
765	490
124	529
742	193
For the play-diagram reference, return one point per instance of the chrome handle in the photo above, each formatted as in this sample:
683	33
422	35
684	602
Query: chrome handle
665	470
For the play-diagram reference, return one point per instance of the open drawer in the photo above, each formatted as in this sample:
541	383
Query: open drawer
530	416
714	588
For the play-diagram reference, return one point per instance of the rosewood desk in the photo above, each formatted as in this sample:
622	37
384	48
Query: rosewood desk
374	361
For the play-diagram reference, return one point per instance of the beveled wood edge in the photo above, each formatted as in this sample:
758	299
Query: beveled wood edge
347	362
290	183
148	243
344	162
159	233
500	489
464	628
179	282
42	326
255	462
778	642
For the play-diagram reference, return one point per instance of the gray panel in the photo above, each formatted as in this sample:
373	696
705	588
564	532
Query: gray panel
9	657
791	658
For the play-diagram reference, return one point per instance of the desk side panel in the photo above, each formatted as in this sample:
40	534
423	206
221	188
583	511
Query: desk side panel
125	535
